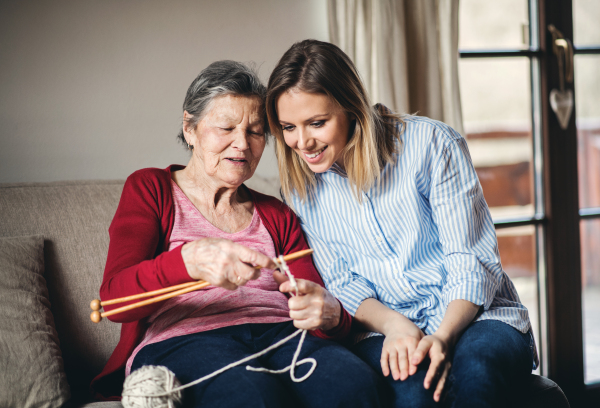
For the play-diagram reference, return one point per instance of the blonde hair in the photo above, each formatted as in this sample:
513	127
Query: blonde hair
318	67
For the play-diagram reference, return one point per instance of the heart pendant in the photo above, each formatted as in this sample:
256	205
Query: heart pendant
561	103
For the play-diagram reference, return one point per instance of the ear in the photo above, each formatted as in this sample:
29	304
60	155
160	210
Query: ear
187	129
185	125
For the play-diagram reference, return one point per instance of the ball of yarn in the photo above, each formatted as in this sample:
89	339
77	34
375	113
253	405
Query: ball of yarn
151	387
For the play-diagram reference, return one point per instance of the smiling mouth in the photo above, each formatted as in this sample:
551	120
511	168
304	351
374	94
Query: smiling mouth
315	154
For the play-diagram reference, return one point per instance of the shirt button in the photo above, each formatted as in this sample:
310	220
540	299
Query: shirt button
407	290
379	239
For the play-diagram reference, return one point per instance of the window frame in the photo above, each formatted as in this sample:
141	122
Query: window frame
557	217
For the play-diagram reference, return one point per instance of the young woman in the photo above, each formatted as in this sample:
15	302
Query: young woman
402	235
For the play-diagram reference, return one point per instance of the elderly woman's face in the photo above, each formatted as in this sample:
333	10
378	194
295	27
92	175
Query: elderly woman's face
230	139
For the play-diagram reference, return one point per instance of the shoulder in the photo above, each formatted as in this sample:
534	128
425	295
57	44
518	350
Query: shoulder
430	129
150	184
151	176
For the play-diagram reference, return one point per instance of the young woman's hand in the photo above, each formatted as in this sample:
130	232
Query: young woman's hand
314	307
437	349
398	348
438	346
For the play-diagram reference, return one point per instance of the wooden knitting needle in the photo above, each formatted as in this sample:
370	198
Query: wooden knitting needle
172	291
96	304
96	316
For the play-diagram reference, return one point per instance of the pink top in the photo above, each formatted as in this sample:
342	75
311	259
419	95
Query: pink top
259	301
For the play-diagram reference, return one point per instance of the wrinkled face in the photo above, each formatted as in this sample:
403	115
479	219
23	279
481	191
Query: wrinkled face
315	127
229	141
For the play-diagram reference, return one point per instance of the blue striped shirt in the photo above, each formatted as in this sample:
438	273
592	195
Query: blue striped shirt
421	238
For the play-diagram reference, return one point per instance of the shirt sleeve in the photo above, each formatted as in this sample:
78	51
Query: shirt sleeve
350	288
465	227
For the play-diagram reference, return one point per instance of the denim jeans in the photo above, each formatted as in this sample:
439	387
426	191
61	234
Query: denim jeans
341	379
490	364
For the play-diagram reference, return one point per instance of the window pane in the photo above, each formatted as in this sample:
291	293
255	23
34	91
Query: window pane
586	30
587	91
496	103
590	271
498	24
518	254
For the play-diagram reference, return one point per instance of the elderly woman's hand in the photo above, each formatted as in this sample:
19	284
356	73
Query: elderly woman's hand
314	307
222	262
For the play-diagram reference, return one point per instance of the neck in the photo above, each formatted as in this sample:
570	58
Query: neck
211	193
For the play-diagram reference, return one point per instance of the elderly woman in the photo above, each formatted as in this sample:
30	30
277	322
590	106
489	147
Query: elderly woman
181	224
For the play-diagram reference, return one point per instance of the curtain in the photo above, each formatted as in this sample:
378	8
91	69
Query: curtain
406	52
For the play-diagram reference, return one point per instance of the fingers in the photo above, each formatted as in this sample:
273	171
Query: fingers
252	257
393	361
437	365
385	361
396	352
398	365
305	287
441	382
280	278
309	308
242	273
421	351
222	262
314	307
403	365
410	348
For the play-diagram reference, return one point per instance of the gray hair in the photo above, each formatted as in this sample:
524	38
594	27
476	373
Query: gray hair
218	79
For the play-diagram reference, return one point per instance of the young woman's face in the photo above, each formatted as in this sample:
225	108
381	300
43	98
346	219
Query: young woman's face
315	127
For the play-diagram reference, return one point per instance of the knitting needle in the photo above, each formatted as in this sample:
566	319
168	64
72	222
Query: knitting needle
96	304
96	316
172	291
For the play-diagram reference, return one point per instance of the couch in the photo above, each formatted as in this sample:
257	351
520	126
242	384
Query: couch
53	245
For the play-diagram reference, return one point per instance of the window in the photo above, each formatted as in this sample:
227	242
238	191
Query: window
541	182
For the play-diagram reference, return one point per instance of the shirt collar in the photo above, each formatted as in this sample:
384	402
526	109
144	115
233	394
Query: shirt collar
336	169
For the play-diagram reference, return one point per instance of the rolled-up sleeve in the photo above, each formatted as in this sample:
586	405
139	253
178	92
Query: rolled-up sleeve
350	288
465	226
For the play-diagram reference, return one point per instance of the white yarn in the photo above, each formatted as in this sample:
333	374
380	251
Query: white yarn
151	387
157	386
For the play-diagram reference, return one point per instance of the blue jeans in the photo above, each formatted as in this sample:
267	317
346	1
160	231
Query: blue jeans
341	379
491	362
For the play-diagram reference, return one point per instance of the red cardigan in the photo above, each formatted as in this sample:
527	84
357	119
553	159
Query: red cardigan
138	261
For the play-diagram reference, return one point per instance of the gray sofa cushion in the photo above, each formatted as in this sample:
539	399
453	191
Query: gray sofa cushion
31	366
74	218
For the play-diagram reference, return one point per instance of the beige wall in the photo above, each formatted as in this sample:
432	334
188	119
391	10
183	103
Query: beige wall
93	89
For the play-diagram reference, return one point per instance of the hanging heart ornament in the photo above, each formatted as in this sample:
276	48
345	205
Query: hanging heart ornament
561	103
